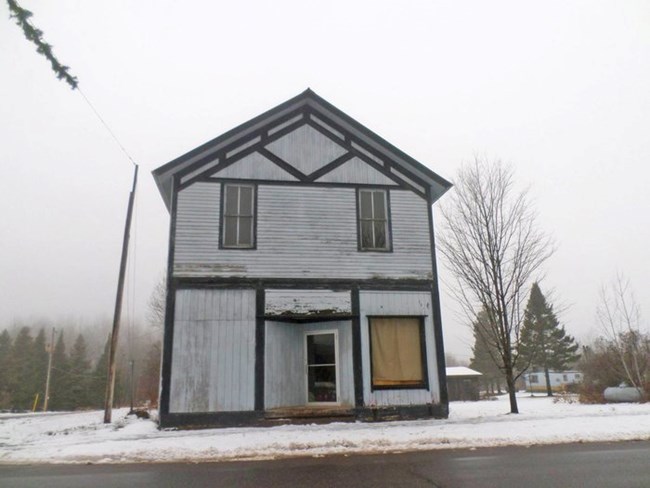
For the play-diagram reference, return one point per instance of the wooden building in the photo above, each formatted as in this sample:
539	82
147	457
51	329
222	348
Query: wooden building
463	384
301	276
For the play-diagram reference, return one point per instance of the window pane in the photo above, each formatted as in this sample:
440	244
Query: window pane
379	204
365	204
367	241
246	201
396	352
232	196
246	231
320	349
321	384
230	231
380	234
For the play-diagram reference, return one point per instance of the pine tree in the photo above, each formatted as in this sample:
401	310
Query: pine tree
39	365
5	361
59	381
97	388
484	360
79	374
20	371
544	343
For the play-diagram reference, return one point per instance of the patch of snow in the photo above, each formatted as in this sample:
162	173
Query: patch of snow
82	437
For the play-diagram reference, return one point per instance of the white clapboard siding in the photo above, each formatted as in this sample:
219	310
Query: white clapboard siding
398	303
358	172
302	232
213	352
286	368
306	149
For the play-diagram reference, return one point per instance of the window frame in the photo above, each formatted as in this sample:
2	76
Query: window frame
335	332
389	228
222	217
424	384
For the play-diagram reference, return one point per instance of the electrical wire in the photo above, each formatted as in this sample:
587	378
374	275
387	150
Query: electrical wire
101	119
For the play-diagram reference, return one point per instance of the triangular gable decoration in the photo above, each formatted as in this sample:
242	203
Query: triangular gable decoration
358	172
306	149
255	167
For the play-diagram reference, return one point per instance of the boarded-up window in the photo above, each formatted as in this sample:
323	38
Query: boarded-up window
373	220
238	226
397	352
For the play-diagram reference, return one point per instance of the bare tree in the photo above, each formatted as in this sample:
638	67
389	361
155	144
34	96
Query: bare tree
157	302
619	316
492	244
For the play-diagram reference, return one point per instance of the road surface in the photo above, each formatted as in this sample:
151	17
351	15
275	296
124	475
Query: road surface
625	464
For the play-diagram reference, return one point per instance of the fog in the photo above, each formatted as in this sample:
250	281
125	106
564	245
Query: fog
558	90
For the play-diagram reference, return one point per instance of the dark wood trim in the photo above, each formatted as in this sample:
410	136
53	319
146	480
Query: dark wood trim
357	364
437	315
256	181
170	305
222	210
331	166
402	412
347	144
304	283
265	139
225	161
278	161
260	346
204	420
424	384
261	132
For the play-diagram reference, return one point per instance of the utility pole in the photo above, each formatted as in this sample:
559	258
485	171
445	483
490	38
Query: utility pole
49	373
110	381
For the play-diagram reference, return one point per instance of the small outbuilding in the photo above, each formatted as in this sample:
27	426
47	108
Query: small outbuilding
462	384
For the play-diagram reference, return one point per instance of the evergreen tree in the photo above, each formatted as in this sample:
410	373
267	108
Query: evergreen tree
484	358
39	365
5	361
59	381
79	374
544	343
97	387
20	371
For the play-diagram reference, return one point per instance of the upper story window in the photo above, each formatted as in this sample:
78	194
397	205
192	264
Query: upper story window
374	228
238	217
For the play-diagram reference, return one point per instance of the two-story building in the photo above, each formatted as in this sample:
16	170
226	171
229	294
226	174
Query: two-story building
302	276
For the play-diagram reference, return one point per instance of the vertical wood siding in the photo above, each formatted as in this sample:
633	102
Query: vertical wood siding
398	303
285	364
302	232
213	353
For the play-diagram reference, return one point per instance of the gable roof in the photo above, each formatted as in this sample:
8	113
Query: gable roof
461	371
368	142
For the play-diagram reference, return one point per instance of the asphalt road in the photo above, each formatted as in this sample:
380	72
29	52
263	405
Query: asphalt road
570	465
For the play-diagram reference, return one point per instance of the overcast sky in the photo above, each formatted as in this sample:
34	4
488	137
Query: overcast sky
560	90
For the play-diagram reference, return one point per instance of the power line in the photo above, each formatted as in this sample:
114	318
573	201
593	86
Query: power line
101	119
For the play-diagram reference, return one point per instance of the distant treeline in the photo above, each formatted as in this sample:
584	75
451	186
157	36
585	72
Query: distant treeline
78	381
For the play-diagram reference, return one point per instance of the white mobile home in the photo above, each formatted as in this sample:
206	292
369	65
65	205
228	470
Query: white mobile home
302	275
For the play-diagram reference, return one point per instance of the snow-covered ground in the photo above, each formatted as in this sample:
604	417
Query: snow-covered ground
83	438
